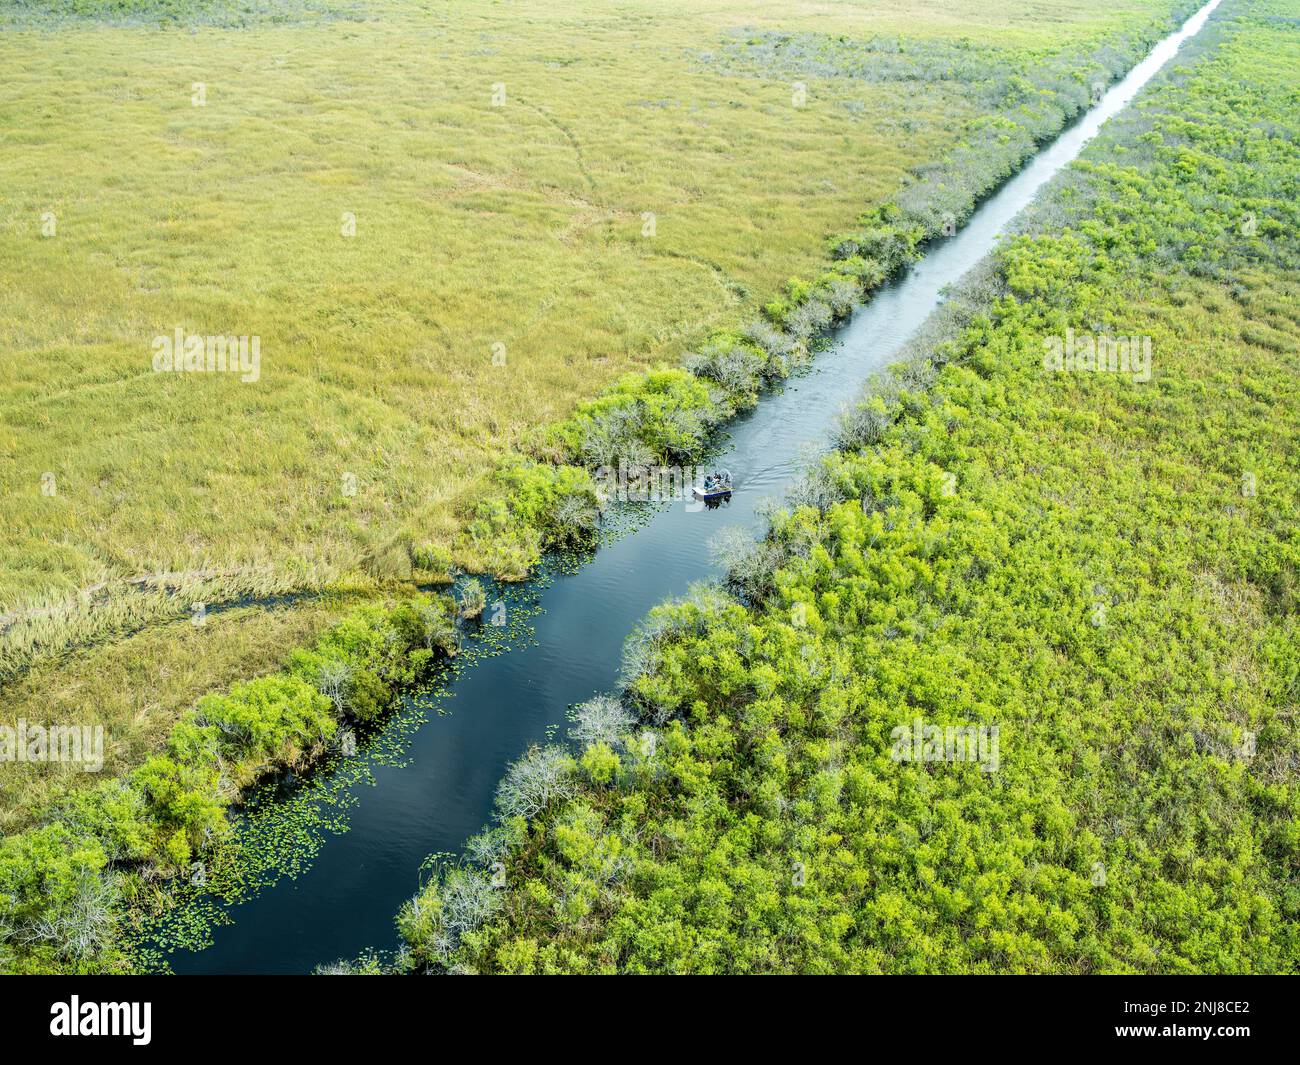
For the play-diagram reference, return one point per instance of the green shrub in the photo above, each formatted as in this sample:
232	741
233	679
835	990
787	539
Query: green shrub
369	697
55	904
183	810
265	719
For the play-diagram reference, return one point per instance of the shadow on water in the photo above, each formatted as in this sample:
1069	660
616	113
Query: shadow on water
442	791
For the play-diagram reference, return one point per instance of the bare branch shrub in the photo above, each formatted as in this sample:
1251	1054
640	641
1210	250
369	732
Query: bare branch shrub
808	319
843	296
762	333
531	784
332	680
749	563
602	719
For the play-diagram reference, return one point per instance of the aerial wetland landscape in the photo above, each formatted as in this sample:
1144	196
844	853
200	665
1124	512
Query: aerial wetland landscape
649	487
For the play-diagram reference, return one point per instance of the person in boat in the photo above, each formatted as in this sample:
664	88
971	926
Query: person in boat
717	482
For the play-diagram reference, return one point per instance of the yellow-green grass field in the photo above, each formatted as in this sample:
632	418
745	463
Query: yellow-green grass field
387	195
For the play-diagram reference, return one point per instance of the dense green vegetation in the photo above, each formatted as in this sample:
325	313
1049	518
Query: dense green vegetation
142	499
63	885
667	415
1106	569
139	687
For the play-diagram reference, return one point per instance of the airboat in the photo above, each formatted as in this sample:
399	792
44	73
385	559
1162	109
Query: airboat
716	486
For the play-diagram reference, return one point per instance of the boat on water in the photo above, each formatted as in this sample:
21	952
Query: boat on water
716	486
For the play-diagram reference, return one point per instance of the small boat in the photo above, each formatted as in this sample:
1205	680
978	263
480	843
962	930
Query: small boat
717	486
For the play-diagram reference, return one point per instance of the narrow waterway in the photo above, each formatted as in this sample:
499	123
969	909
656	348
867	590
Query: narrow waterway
345	902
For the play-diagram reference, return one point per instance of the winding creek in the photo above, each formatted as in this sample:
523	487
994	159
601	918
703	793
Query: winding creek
346	900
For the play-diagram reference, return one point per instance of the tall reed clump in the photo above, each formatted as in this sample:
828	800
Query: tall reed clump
113	608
